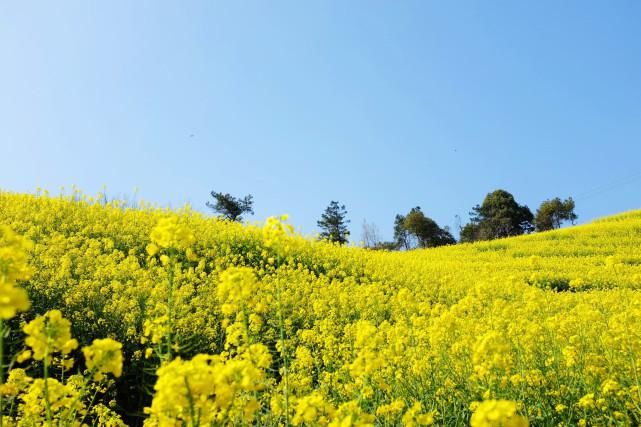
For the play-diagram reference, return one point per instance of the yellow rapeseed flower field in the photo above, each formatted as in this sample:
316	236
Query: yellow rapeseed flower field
154	317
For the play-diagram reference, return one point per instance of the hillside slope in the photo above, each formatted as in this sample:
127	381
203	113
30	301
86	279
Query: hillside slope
551	321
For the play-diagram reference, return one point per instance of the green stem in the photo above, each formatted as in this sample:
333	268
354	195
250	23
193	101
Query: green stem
283	354
170	305
1	369
93	399
80	395
247	337
46	387
192	413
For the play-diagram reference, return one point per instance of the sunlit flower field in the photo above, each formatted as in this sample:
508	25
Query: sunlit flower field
114	316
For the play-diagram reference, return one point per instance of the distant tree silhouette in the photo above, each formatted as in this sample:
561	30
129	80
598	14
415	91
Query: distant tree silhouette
333	223
229	207
552	213
385	246
469	232
498	216
401	235
425	230
417	230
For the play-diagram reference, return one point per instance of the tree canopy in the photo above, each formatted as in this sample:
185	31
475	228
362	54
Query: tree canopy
552	213
333	223
230	207
401	235
498	216
417	230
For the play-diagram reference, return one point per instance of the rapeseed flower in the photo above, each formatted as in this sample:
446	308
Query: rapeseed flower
49	334
497	413
290	329
104	356
169	233
12	301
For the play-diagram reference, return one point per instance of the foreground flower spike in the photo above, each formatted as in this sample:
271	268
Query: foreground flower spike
208	390
49	334
169	233
13	267
12	301
13	256
497	413
238	288
104	356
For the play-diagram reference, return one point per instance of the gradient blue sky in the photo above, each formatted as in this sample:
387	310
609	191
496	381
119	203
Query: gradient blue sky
380	105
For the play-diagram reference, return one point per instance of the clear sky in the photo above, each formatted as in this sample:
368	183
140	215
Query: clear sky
379	105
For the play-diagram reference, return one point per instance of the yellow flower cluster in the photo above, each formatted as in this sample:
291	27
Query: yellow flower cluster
27	401
497	413
13	256
238	290
47	400
104	356
313	408
169	233
253	324
61	401
207	390
13	267
49	334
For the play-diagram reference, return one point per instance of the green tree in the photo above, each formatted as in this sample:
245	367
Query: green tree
229	207
552	213
385	246
401	235
425	230
333	223
469	232
498	216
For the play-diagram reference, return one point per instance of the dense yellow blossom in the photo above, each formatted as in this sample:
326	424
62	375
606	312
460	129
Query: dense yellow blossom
208	389
313	409
17	380
49	334
255	324
12	301
415	417
13	256
390	409
13	267
104	356
169	233
27	401
497	413
237	289
63	401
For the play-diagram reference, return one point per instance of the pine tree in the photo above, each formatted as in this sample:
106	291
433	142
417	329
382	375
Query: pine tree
229	207
333	223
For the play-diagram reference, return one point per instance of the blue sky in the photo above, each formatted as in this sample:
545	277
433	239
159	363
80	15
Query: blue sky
380	105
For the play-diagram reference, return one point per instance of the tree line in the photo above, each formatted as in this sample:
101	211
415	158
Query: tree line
499	215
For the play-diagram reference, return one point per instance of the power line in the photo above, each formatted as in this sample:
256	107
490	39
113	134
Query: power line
608	187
